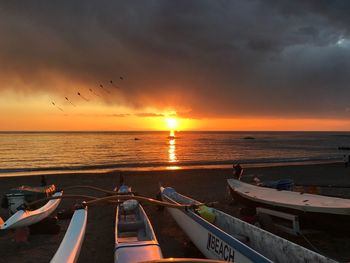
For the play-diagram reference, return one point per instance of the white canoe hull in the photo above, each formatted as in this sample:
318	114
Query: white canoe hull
69	250
210	240
290	200
273	247
24	218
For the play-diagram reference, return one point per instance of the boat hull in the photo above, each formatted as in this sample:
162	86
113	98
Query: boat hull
211	241
314	218
135	240
69	249
230	230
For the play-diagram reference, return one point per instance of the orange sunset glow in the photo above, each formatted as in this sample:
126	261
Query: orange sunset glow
22	112
167	78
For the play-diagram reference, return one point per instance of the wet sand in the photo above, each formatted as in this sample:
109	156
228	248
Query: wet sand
205	185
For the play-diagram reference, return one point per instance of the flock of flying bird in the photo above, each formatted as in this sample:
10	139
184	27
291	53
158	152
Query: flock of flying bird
104	89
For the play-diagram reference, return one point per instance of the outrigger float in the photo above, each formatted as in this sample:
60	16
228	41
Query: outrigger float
69	249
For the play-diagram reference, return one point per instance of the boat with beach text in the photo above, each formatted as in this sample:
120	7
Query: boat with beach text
221	236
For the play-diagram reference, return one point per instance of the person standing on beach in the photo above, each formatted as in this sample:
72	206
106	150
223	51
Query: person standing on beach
346	160
237	171
43	181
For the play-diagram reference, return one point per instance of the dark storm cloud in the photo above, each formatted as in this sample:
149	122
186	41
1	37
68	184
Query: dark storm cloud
205	58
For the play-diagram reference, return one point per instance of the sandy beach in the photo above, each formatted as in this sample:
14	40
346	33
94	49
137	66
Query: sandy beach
205	185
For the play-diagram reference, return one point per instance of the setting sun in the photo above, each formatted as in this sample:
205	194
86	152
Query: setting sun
172	123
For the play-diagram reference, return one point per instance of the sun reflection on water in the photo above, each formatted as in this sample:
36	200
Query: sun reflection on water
172	152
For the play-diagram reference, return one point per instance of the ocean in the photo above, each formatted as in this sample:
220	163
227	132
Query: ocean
59	152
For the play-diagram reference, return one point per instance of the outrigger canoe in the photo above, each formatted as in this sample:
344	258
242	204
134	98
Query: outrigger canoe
135	240
287	200
24	217
69	249
223	237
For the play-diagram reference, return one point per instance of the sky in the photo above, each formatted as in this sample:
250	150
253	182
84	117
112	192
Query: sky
212	65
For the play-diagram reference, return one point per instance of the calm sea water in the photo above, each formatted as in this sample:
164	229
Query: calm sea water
75	151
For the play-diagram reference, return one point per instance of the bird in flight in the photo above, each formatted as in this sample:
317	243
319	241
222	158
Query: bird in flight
81	96
54	104
69	101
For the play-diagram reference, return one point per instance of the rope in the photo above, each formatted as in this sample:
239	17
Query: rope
61	197
136	197
310	244
141	199
91	187
114	199
318	250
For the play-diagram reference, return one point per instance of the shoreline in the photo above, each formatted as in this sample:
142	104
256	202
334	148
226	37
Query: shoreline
205	185
168	168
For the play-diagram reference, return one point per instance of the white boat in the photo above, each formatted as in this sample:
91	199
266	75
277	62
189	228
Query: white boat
69	249
231	239
24	218
135	240
288	200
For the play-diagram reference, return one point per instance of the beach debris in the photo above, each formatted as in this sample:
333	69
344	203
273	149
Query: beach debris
79	94
54	104
70	101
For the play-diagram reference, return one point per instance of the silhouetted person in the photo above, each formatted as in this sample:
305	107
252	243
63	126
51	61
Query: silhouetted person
121	179
346	159
43	180
237	171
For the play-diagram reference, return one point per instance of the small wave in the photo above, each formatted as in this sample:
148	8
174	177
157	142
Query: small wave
153	165
341	135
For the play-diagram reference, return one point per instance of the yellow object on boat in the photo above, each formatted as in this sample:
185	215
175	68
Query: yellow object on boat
207	213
